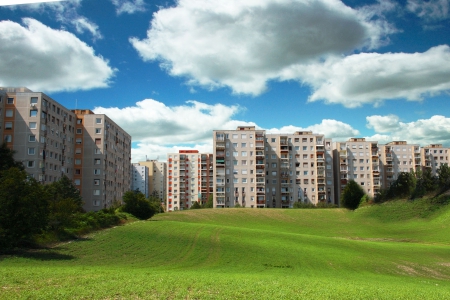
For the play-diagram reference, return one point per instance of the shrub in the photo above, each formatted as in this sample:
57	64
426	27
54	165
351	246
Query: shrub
352	194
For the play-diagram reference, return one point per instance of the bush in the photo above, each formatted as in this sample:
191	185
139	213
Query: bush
351	195
137	205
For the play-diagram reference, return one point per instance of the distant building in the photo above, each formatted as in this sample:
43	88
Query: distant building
189	179
157	172
139	179
433	156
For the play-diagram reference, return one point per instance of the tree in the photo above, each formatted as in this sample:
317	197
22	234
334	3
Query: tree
64	202
23	207
352	194
403	186
443	174
137	205
196	205
7	158
155	203
209	203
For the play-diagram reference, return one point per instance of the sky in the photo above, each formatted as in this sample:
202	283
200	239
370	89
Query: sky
170	72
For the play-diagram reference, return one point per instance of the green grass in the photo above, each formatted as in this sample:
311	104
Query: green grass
397	250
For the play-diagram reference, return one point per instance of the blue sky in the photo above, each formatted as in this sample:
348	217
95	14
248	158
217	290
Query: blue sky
170	72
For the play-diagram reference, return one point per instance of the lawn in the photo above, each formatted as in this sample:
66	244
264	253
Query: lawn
387	251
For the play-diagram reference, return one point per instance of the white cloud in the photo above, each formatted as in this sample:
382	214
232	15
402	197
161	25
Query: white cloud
330	128
159	129
435	130
243	44
17	2
430	10
82	24
154	122
129	7
44	59
370	78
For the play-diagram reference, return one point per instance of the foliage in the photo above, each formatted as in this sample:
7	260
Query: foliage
7	159
155	203
65	201
443	174
137	205
196	205
23	207
209	203
351	195
403	186
425	183
303	205
237	205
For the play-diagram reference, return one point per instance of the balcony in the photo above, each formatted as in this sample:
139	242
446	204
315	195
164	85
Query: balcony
220	145
320	174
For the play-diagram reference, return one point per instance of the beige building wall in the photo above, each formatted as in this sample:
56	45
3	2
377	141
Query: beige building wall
156	178
434	156
2	110
102	160
397	157
185	173
359	160
41	131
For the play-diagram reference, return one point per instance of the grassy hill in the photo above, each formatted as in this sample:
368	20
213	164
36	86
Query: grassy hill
397	250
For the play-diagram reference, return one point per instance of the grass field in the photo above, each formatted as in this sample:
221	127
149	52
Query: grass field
398	250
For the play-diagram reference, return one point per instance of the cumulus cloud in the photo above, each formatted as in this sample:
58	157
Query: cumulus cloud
159	129
44	59
129	7
370	78
82	24
435	130
330	128
431	10
243	44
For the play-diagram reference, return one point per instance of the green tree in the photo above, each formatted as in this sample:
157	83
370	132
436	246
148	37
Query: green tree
155	203
351	195
23	207
209	203
443	174
65	201
196	205
403	186
137	205
7	158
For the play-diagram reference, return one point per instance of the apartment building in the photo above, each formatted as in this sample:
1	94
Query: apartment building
189	179
41	131
157	172
433	156
139	178
102	159
359	160
256	170
2	109
397	157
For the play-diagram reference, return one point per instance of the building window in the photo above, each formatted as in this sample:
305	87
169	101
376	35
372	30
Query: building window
97	172
77	150
79	131
78	171
97	151
98	130
98	120
96	161
96	181
33	113
31	151
30	164
78	141
9	113
34	100
32	138
10	101
98	141
77	181
8	138
96	192
78	161
8	125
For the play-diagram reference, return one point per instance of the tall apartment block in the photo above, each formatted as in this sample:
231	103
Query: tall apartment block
399	156
189	179
359	160
434	156
41	131
139	178
53	141
102	159
157	172
256	170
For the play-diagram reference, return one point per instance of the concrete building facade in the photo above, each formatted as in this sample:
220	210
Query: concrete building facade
256	170
186	171
139	178
434	156
157	173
